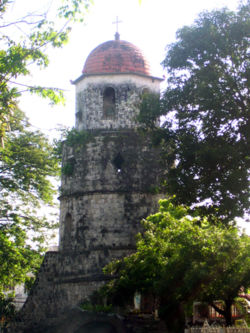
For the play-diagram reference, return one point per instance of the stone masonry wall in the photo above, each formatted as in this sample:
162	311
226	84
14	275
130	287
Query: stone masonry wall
106	199
110	190
108	185
116	161
128	91
64	281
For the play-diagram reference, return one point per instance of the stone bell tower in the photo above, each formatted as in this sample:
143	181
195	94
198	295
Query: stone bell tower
114	170
107	178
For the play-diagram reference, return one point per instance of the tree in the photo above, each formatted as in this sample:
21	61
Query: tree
206	107
7	311
180	258
20	52
27	159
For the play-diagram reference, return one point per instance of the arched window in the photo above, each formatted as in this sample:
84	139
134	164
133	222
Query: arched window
67	230
109	103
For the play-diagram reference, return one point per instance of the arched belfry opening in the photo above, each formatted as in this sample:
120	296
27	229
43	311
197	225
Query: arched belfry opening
109	103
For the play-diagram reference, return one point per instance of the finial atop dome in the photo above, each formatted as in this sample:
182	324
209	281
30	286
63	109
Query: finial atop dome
117	36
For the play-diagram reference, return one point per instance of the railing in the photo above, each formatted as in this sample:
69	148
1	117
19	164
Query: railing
217	330
237	330
212	329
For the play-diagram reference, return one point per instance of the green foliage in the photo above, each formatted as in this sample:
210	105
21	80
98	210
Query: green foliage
27	161
68	169
74	9
241	323
75	137
19	52
206	108
17	258
29	282
243	308
55	95
150	108
97	303
7	310
181	258
71	138
97	308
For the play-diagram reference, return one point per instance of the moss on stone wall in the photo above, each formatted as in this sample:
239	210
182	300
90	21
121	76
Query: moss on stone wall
75	137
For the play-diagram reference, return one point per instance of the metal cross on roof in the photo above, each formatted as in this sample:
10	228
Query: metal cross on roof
117	22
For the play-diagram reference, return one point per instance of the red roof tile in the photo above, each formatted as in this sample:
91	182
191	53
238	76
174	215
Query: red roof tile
116	56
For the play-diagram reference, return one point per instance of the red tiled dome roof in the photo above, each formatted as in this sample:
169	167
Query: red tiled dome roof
116	56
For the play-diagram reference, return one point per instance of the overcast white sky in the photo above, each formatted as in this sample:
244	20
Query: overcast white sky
150	25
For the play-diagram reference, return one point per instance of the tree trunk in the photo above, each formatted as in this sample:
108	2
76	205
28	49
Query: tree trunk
228	313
